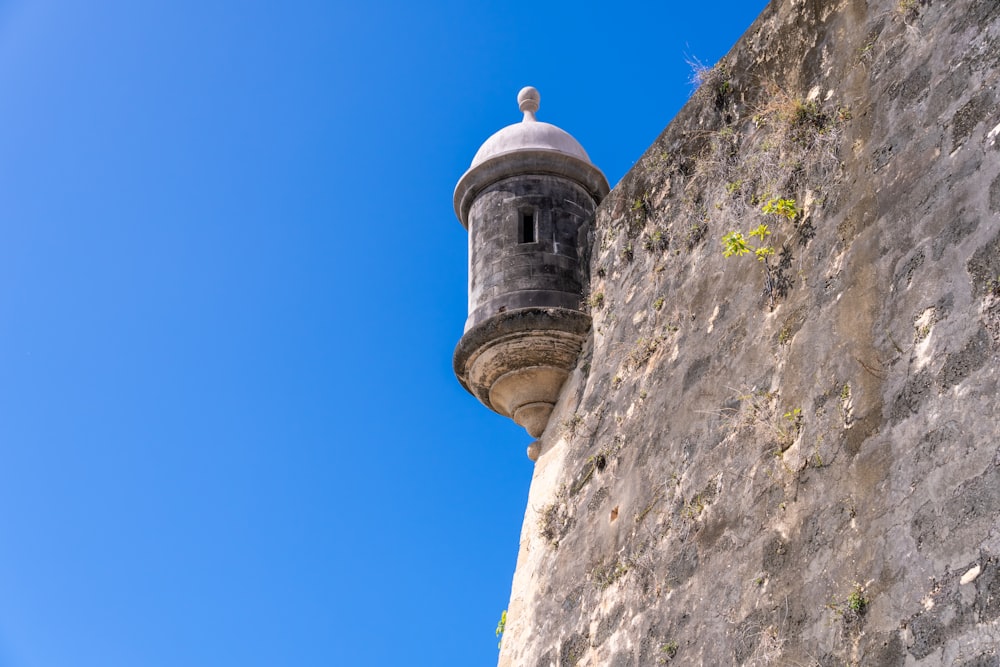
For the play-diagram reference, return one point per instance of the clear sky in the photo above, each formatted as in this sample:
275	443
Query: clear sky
231	280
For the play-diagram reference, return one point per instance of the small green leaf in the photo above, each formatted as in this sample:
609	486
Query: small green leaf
763	253
734	243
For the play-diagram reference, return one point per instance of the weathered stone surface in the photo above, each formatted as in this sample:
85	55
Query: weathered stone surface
505	274
792	462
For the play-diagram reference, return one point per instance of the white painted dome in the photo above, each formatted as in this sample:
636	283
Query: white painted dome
529	135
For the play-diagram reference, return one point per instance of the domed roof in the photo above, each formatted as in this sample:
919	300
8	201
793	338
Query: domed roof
528	147
529	134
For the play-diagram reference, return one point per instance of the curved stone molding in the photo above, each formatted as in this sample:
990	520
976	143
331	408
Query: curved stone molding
537	161
516	363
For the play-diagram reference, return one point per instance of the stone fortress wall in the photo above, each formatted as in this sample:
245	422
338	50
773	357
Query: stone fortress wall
789	456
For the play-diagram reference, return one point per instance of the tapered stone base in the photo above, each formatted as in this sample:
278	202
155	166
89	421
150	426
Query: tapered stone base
517	362
534	417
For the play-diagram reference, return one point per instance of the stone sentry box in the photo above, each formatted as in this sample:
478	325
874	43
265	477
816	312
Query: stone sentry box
526	201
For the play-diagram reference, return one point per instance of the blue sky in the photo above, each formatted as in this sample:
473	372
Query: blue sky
231	281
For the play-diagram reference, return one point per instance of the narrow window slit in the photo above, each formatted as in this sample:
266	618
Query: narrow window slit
527	227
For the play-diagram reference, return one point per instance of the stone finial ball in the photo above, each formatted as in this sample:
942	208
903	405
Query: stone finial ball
527	99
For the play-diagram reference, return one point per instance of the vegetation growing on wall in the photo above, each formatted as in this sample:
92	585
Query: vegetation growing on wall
757	182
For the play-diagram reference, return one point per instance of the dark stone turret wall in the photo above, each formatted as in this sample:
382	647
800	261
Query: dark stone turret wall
789	456
504	273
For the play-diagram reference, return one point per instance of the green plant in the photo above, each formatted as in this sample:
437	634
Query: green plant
596	300
855	605
866	51
667	652
693	508
501	626
788	432
641	203
908	8
781	206
738	244
627	253
807	113
764	251
608	572
856	601
734	243
655	241
658	303
794	416
570	425
642	352
993	286
802	121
